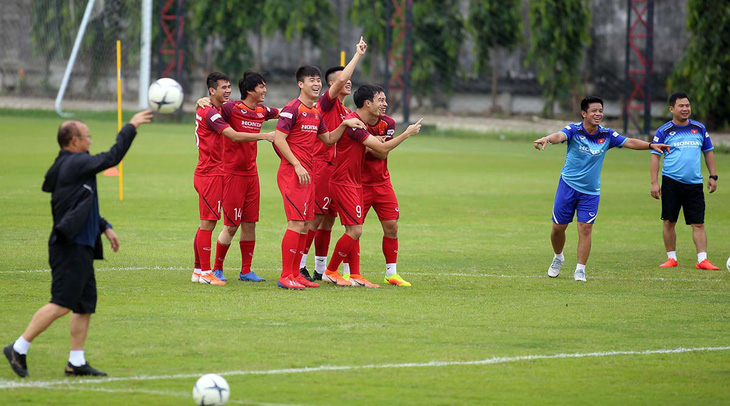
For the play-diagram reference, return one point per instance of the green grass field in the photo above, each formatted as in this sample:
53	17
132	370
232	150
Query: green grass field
482	324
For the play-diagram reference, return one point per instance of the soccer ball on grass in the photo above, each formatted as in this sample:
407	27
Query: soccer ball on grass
165	96
211	390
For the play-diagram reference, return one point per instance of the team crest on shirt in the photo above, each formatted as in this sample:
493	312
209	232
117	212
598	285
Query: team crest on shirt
693	131
601	140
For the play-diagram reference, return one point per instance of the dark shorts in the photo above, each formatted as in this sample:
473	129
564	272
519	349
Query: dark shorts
687	196
73	283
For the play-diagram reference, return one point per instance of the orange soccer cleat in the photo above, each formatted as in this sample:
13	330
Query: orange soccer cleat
671	263
707	265
359	280
210	279
336	278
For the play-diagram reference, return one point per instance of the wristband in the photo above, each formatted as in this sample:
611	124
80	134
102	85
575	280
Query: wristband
713	177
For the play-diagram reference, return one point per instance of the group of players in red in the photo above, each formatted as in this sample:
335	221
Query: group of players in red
333	163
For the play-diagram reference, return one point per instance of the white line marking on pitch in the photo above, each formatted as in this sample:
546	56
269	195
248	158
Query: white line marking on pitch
478	275
4	384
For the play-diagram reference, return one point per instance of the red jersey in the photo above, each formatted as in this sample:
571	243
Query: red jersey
301	124
239	158
375	171
350	156
334	113
209	125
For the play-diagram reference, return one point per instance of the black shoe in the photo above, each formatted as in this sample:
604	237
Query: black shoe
305	273
317	276
16	360
83	370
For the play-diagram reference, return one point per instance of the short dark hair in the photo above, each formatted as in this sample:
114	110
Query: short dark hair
66	131
249	81
676	96
307	71
332	70
214	77
588	100
364	93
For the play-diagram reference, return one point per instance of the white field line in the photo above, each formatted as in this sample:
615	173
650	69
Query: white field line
470	275
15	384
186	395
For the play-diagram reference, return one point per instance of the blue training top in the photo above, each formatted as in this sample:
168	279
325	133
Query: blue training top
682	163
585	154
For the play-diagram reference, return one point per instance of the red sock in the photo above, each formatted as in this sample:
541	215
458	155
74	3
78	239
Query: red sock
298	256
246	255
353	258
204	237
322	242
308	242
342	248
390	250
196	264
220	254
288	251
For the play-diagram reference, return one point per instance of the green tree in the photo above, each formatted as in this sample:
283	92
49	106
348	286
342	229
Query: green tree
704	71
372	16
226	23
53	29
558	37
311	20
495	25
438	29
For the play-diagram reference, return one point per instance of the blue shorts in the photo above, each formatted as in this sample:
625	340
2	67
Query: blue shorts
568	201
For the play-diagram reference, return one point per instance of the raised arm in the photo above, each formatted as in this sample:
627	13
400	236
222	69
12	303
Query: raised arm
554	138
346	74
384	147
285	151
105	160
710	162
637	144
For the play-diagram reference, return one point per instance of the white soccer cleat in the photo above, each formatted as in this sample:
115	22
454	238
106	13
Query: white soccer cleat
554	269
195	278
579	275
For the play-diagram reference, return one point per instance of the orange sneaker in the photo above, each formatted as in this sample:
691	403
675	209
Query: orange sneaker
671	263
359	280
304	281
707	265
289	283
336	278
210	279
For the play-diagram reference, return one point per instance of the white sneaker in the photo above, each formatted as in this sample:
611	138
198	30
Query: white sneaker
579	275
195	278
554	269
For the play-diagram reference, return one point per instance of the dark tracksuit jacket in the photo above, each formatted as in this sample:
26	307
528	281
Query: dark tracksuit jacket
71	180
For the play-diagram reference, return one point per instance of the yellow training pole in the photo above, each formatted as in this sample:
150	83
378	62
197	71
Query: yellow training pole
119	114
342	58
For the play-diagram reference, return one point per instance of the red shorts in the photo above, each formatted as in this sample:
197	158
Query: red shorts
322	196
348	203
298	199
210	194
241	197
382	199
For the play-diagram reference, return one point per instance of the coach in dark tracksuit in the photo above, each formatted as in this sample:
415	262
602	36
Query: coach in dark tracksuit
75	240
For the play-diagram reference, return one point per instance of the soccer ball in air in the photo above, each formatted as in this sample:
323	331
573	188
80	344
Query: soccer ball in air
211	390
165	96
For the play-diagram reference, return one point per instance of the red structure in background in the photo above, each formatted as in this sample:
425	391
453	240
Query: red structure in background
171	47
640	26
400	21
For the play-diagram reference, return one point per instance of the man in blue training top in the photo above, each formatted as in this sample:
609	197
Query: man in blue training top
579	188
682	178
